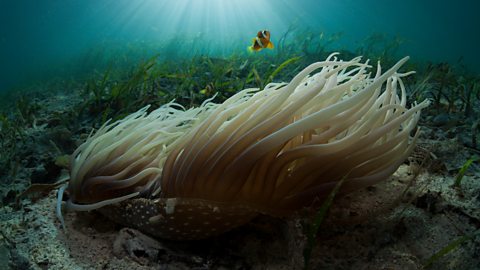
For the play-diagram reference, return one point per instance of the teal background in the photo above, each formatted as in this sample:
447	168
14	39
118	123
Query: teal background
40	39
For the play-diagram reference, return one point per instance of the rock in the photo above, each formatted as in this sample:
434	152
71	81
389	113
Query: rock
45	173
441	120
38	174
148	251
62	138
138	246
63	161
431	202
19	261
9	197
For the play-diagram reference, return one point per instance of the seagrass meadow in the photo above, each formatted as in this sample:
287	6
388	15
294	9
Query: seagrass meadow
239	135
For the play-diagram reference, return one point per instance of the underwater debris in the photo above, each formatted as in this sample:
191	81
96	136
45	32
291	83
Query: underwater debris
36	191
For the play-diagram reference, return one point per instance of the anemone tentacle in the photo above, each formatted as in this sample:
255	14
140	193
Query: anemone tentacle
267	151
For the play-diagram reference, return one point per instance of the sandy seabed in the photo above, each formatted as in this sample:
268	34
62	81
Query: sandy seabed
375	228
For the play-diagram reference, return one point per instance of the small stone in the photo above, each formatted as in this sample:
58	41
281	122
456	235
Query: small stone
441	119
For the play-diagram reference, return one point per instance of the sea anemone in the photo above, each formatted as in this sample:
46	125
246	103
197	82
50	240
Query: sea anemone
190	174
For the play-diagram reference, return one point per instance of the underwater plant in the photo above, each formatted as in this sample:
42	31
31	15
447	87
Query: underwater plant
113	95
443	86
190	174
456	243
381	47
11	137
463	170
468	88
26	109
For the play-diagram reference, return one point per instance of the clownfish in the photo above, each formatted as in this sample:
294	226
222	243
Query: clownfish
261	41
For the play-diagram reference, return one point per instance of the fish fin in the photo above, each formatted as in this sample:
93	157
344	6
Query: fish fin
250	49
270	45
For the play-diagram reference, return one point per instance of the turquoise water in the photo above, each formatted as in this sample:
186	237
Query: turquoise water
69	67
43	39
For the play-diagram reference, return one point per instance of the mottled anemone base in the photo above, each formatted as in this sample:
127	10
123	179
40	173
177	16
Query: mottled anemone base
190	174
179	219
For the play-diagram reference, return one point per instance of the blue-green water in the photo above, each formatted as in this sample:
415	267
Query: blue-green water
44	39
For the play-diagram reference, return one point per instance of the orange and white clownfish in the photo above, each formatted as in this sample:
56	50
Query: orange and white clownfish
261	41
